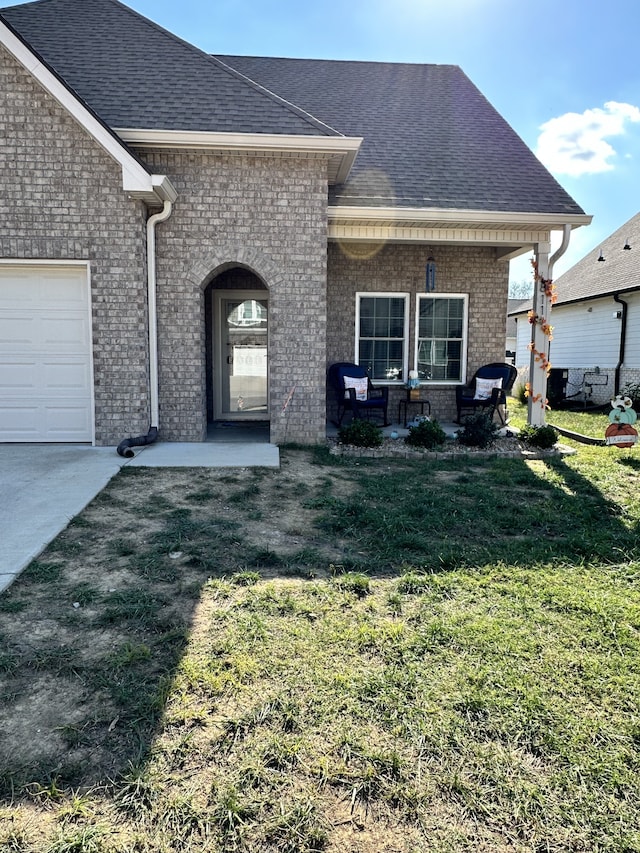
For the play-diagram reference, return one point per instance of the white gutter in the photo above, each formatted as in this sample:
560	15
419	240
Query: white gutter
165	213
399	213
564	245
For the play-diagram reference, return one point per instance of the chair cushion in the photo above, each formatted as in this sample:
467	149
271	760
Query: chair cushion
484	387
359	384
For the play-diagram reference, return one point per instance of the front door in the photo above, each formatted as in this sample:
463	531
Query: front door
240	358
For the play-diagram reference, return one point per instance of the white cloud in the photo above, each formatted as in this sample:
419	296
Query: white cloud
575	143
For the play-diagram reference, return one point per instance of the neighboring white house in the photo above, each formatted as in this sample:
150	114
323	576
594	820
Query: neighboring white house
595	349
514	306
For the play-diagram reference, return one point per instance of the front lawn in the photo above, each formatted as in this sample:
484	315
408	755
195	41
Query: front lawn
588	422
343	655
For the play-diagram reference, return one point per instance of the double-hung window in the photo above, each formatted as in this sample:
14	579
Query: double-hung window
382	323
441	339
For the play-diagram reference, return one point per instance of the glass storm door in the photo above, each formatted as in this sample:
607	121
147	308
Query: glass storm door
242	356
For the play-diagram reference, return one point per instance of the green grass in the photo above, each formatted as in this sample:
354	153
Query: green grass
392	656
585	422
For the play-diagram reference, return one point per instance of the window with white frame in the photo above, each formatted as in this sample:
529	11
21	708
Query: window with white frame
382	324
441	337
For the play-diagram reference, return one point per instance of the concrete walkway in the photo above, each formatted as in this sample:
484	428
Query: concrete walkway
207	454
43	486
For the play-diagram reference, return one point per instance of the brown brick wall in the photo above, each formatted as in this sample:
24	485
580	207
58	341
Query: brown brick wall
61	198
401	268
268	215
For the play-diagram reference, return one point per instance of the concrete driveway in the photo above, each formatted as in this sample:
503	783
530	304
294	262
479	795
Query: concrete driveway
43	486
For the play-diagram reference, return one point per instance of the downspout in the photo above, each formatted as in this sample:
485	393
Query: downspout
124	448
562	248
623	342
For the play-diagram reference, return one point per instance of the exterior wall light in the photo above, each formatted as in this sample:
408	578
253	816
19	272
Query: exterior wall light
430	279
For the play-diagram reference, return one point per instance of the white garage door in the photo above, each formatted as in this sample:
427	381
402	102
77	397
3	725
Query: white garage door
45	354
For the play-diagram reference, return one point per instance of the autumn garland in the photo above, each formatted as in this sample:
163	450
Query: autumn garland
549	289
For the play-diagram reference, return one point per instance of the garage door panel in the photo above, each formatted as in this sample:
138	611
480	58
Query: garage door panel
18	376
41	375
43	332
66	375
17	331
45	354
19	421
60	420
62	293
64	334
38	287
67	418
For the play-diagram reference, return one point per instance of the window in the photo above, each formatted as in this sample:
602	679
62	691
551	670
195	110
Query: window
441	338
381	328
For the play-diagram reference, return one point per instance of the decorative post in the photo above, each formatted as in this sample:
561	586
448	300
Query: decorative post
541	332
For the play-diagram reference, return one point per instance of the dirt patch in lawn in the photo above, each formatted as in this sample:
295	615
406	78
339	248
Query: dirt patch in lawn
119	587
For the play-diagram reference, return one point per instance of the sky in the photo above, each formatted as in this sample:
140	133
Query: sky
563	73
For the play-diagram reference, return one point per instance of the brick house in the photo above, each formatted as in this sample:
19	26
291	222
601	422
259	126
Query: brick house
189	238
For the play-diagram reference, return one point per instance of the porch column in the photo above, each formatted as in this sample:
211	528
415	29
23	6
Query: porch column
539	339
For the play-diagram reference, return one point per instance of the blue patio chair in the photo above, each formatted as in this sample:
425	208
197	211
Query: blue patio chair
353	391
487	391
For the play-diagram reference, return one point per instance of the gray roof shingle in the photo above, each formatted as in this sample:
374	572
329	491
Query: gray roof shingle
426	127
431	139
134	74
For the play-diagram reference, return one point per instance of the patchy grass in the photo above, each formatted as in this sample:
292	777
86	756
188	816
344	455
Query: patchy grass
342	655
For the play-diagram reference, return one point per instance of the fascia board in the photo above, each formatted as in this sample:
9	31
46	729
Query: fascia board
343	147
508	219
135	178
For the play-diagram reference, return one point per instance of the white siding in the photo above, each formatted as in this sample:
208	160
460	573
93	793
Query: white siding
523	332
632	351
586	334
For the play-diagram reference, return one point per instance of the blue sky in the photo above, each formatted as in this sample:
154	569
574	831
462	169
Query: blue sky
564	74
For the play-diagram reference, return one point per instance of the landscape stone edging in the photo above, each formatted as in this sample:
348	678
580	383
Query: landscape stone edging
415	453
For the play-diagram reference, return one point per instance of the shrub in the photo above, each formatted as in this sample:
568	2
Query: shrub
539	436
521	394
427	434
478	431
360	433
632	390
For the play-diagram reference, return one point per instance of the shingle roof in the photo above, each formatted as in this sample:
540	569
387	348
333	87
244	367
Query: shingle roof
426	127
431	139
620	270
133	73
